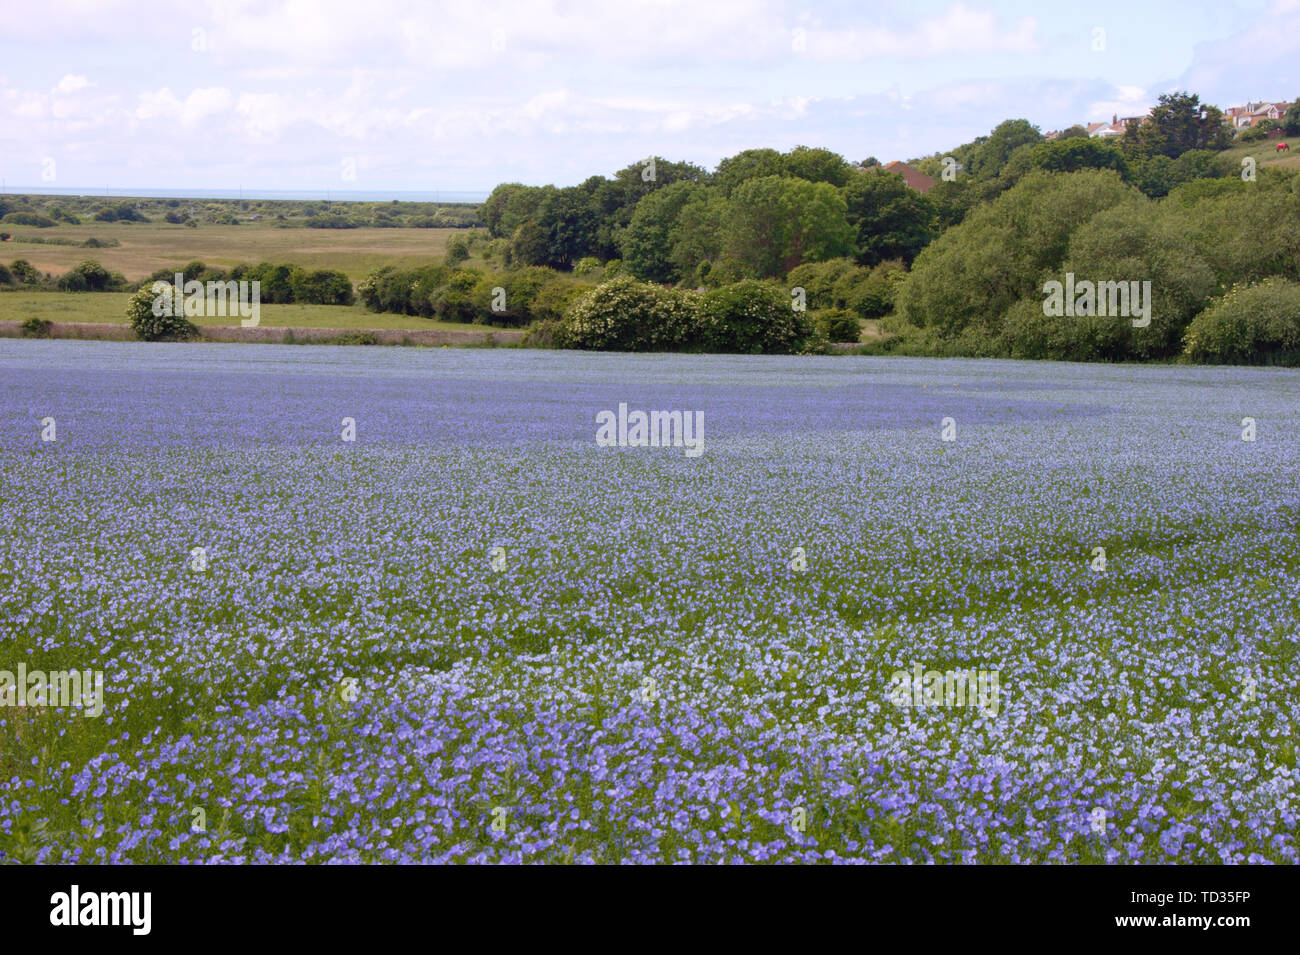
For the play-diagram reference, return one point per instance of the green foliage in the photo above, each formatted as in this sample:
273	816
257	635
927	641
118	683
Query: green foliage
1250	233
1138	240
25	272
587	266
871	293
1157	175
529	245
818	280
975	271
696	237
90	276
889	219
28	218
1179	122
6	276
554	298
457	250
745	165
989	154
36	327
775	223
626	315
122	212
837	325
469	295
816	165
320	287
754	317
1291	121
646	244
1250	325
1076	153
159	315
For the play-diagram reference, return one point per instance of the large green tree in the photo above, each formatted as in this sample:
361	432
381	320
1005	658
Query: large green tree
969	276
776	222
646	244
890	220
1178	123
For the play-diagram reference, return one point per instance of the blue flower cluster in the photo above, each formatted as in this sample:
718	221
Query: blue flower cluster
474	635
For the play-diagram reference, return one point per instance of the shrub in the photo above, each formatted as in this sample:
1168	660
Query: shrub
626	315
457	250
548	333
1250	325
454	301
90	276
752	316
25	272
36	328
589	265
6	277
875	296
837	325
554	298
320	287
28	218
818	280
159	316
519	288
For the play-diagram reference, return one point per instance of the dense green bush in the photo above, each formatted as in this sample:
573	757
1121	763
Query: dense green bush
320	287
28	218
7	277
752	316
871	293
818	280
1145	241
975	271
25	272
1250	325
626	315
457	250
90	276
554	298
160	315
837	325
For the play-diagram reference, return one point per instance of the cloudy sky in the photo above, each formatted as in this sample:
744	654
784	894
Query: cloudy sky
406	95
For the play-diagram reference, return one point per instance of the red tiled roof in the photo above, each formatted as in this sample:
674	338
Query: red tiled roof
913	177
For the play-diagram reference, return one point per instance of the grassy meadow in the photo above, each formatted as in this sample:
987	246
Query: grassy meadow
146	247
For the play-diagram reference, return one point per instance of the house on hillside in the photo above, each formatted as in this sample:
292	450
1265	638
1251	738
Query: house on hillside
1115	127
913	177
1262	111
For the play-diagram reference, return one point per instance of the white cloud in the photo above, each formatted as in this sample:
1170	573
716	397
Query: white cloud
71	83
1126	101
958	30
196	107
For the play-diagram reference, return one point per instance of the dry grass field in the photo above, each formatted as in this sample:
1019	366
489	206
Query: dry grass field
146	247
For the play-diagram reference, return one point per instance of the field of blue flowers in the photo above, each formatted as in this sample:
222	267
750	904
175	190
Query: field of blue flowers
474	635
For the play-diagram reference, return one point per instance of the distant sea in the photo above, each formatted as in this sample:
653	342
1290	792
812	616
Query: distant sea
341	195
